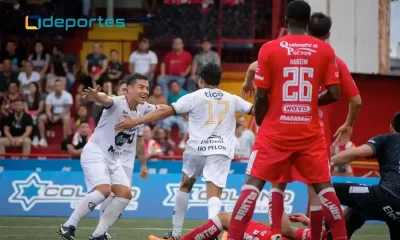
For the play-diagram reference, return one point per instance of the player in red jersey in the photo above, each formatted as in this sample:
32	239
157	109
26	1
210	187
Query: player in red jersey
254	230
290	71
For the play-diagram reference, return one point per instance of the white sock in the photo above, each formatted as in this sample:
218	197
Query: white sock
111	215
180	208
87	204
214	206
105	203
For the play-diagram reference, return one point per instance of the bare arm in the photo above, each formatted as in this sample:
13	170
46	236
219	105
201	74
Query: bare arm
251	72
140	152
354	109
85	67
162	69
152	68
28	131
66	110
260	104
352	154
48	111
194	68
45	68
104	65
330	95
7	132
156	115
74	152
131	68
104	100
187	71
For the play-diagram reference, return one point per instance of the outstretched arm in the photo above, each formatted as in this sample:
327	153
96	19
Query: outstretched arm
347	156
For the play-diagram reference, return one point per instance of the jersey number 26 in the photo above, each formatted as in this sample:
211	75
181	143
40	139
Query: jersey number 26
225	110
304	87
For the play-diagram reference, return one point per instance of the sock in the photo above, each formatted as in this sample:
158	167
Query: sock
243	212
333	213
86	205
303	234
111	215
180	208
276	211
214	206
316	222
105	203
208	231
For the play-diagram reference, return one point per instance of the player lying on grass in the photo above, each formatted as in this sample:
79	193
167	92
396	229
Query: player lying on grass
255	230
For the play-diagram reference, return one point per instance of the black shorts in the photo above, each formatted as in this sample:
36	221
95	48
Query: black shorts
371	200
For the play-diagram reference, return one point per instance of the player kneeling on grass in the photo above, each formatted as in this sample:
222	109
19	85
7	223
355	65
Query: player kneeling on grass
255	230
211	145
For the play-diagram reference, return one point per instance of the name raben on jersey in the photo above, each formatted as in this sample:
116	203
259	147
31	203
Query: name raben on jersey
212	120
118	145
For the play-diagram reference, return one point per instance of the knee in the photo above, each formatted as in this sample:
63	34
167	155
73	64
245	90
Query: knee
187	184
26	141
104	189
225	219
42	118
66	119
123	192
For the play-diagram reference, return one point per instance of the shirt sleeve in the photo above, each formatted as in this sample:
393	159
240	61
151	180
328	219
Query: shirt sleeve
166	58
261	78
68	99
148	108
184	104
132	58
332	73
347	84
48	99
20	76
242	106
117	101
29	120
377	143
35	76
153	58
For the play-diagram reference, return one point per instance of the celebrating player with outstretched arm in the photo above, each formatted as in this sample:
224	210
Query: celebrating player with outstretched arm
107	159
210	148
290	145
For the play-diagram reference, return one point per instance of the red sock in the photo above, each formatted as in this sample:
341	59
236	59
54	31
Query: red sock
305	234
333	213
276	211
316	221
208	231
243	212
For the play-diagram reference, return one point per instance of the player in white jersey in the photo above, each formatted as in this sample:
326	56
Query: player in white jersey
211	143
107	159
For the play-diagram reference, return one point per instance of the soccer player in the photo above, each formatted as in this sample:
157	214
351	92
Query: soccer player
290	144
255	230
377	202
107	158
210	148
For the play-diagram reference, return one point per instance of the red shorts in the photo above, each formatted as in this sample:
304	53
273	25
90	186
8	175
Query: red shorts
273	165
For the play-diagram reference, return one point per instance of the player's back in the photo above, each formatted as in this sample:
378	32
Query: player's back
293	68
212	120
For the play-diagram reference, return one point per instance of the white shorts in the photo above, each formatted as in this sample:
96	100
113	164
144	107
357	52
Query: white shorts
215	168
129	173
98	172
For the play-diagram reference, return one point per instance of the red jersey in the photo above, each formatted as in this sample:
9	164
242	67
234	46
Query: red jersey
177	63
293	68
348	87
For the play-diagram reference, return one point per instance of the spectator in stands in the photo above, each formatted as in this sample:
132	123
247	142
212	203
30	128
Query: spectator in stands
166	146
17	55
7	76
28	76
157	96
35	102
201	59
175	66
74	143
13	95
152	148
58	105
114	73
82	116
239	151
94	68
17	129
64	65
176	92
246	139
143	61
40	60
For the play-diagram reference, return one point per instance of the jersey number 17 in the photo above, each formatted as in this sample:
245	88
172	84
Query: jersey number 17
225	110
298	79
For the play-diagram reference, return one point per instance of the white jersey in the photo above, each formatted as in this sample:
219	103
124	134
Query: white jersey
117	146
212	120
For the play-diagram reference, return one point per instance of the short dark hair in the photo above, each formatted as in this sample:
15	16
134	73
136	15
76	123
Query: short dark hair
134	77
396	122
83	121
14	82
319	25
173	81
211	74
113	50
299	11
59	47
122	82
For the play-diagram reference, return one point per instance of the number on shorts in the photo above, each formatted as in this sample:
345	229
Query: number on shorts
304	92
224	111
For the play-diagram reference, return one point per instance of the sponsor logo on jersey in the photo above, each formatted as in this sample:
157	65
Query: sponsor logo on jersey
198	198
33	190
212	143
216	95
395	216
299	49
296	119
296	108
